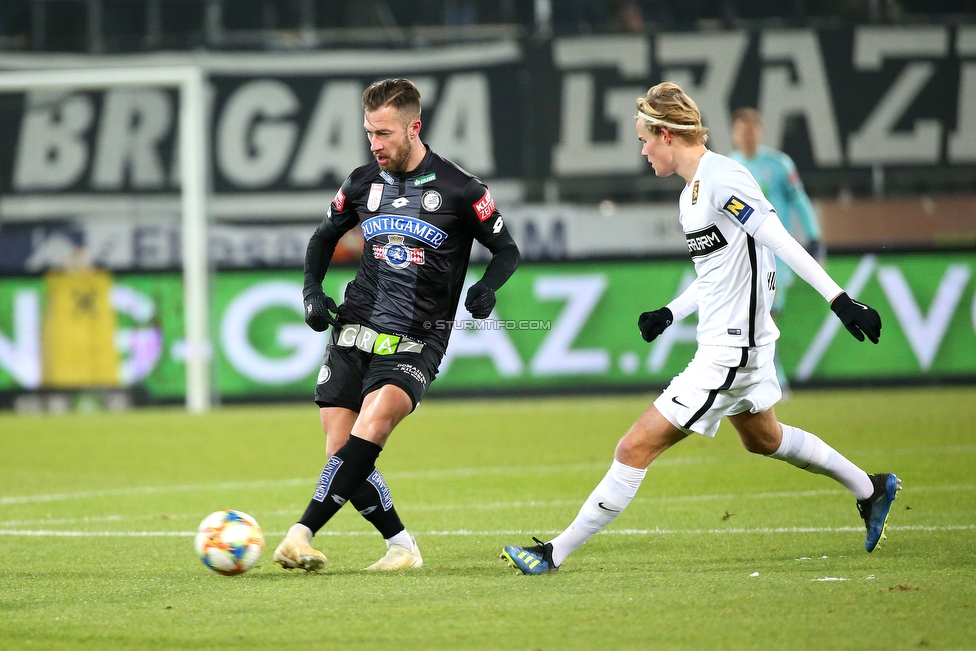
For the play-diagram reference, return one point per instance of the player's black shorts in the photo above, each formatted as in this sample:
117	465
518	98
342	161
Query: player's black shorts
349	373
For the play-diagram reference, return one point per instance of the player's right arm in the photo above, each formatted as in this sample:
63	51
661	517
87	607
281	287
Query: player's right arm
859	319
340	217
488	227
652	324
748	208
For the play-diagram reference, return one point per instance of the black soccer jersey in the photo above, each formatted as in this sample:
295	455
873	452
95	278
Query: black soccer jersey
419	228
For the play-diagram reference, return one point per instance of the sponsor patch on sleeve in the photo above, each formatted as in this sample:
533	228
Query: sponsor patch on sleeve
485	206
738	209
340	200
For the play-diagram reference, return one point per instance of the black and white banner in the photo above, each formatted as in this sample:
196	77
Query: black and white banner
286	128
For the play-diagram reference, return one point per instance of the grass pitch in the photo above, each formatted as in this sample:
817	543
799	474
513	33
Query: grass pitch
721	549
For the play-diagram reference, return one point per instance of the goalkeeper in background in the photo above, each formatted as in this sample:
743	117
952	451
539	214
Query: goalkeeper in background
780	183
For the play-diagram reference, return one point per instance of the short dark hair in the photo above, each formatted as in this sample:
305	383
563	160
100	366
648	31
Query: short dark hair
748	114
402	94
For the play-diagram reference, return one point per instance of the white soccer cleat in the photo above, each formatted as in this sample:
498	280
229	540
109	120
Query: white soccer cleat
399	557
294	553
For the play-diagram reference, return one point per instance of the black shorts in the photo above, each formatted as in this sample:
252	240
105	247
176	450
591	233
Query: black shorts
349	374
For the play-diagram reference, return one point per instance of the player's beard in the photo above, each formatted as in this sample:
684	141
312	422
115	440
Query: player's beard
398	163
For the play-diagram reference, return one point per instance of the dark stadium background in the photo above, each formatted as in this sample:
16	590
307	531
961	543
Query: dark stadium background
877	106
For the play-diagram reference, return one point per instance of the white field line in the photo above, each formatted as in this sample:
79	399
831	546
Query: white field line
919	451
151	490
447	473
502	532
489	506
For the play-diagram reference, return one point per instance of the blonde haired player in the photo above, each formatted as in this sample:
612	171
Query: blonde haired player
732	233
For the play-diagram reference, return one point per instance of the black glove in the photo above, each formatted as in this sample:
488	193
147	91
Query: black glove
480	300
816	250
318	309
859	319
652	324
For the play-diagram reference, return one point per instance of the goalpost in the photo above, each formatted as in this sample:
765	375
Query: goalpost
188	80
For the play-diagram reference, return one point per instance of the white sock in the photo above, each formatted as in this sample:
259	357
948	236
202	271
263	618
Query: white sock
608	499
299	531
807	451
402	539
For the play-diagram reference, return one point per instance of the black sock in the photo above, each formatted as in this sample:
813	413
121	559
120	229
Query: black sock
373	501
344	472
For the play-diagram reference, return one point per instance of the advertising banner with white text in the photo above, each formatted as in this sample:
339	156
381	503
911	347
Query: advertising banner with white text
527	116
556	327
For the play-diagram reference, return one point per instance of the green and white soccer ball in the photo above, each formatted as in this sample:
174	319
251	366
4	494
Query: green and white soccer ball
229	542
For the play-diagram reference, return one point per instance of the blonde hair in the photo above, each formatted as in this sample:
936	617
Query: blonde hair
666	106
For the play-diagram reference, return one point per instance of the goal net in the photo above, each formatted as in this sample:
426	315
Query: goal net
20	349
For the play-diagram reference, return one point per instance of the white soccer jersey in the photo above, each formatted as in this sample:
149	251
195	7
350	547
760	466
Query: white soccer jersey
720	211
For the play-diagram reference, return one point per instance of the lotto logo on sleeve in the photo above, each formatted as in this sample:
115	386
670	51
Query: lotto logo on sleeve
485	206
738	209
340	200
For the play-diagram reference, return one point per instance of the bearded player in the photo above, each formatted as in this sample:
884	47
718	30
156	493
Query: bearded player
420	214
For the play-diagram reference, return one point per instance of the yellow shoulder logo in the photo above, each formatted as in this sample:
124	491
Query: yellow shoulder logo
738	208
694	194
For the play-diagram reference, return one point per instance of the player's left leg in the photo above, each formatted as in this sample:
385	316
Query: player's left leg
408	374
372	499
762	434
353	463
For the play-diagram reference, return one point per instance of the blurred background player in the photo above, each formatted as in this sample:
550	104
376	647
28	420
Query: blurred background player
420	215
780	183
732	233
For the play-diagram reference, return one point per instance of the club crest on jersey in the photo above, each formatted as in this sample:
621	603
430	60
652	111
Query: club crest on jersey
694	193
738	209
409	226
431	200
325	374
375	197
396	254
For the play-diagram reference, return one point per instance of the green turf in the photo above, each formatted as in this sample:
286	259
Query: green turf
673	572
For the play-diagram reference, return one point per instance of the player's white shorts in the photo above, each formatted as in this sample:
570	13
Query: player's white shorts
720	381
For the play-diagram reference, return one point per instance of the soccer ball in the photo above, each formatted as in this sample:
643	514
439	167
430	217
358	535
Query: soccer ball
229	542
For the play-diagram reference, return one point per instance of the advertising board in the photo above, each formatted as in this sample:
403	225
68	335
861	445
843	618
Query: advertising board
556	327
